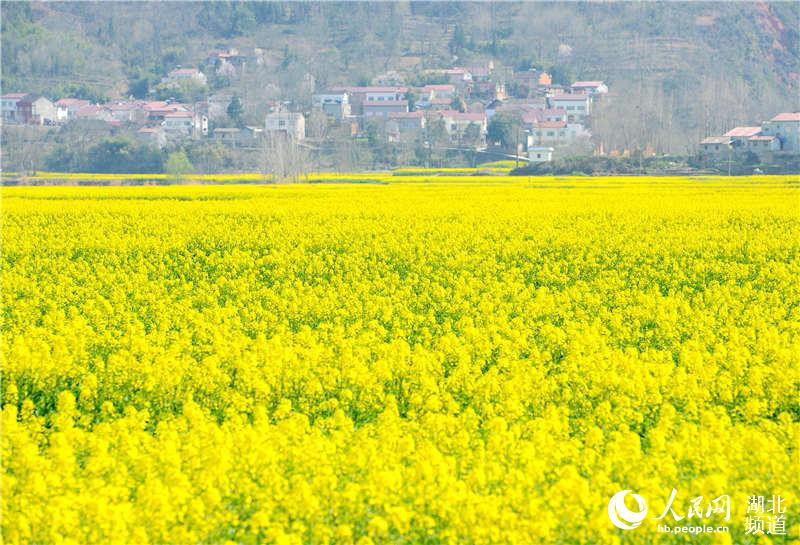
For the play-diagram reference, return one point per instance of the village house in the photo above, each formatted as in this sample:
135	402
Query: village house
547	132
9	103
578	106
128	112
761	143
288	124
540	154
335	104
235	137
184	124
382	108
457	123
358	96
378	94
408	122
739	136
186	74
36	110
716	146
445	90
67	108
589	87
94	112
457	76
158	109
786	128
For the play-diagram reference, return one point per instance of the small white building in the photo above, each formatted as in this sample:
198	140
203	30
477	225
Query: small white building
577	106
67	108
540	154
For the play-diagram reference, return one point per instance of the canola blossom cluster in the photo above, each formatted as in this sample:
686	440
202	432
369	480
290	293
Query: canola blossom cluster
413	363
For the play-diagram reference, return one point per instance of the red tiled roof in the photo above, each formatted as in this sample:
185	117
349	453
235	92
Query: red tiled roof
787	116
14	95
179	114
743	131
587	84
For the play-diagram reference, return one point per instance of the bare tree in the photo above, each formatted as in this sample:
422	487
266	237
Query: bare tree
284	159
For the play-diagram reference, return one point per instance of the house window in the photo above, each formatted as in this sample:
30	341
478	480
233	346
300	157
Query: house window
538	155
549	133
282	124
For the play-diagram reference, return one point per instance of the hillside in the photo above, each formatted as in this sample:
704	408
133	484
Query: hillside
677	71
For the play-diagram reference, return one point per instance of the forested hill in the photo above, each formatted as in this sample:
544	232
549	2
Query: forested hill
676	70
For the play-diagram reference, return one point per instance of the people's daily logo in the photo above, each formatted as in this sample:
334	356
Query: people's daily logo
622	517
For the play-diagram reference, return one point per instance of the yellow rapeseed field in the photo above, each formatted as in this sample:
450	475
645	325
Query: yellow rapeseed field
474	360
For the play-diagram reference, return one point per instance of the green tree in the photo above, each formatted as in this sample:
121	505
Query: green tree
236	111
504	128
178	165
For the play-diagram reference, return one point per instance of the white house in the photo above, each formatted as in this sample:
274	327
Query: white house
180	124
577	106
589	87
786	127
67	108
379	94
540	154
